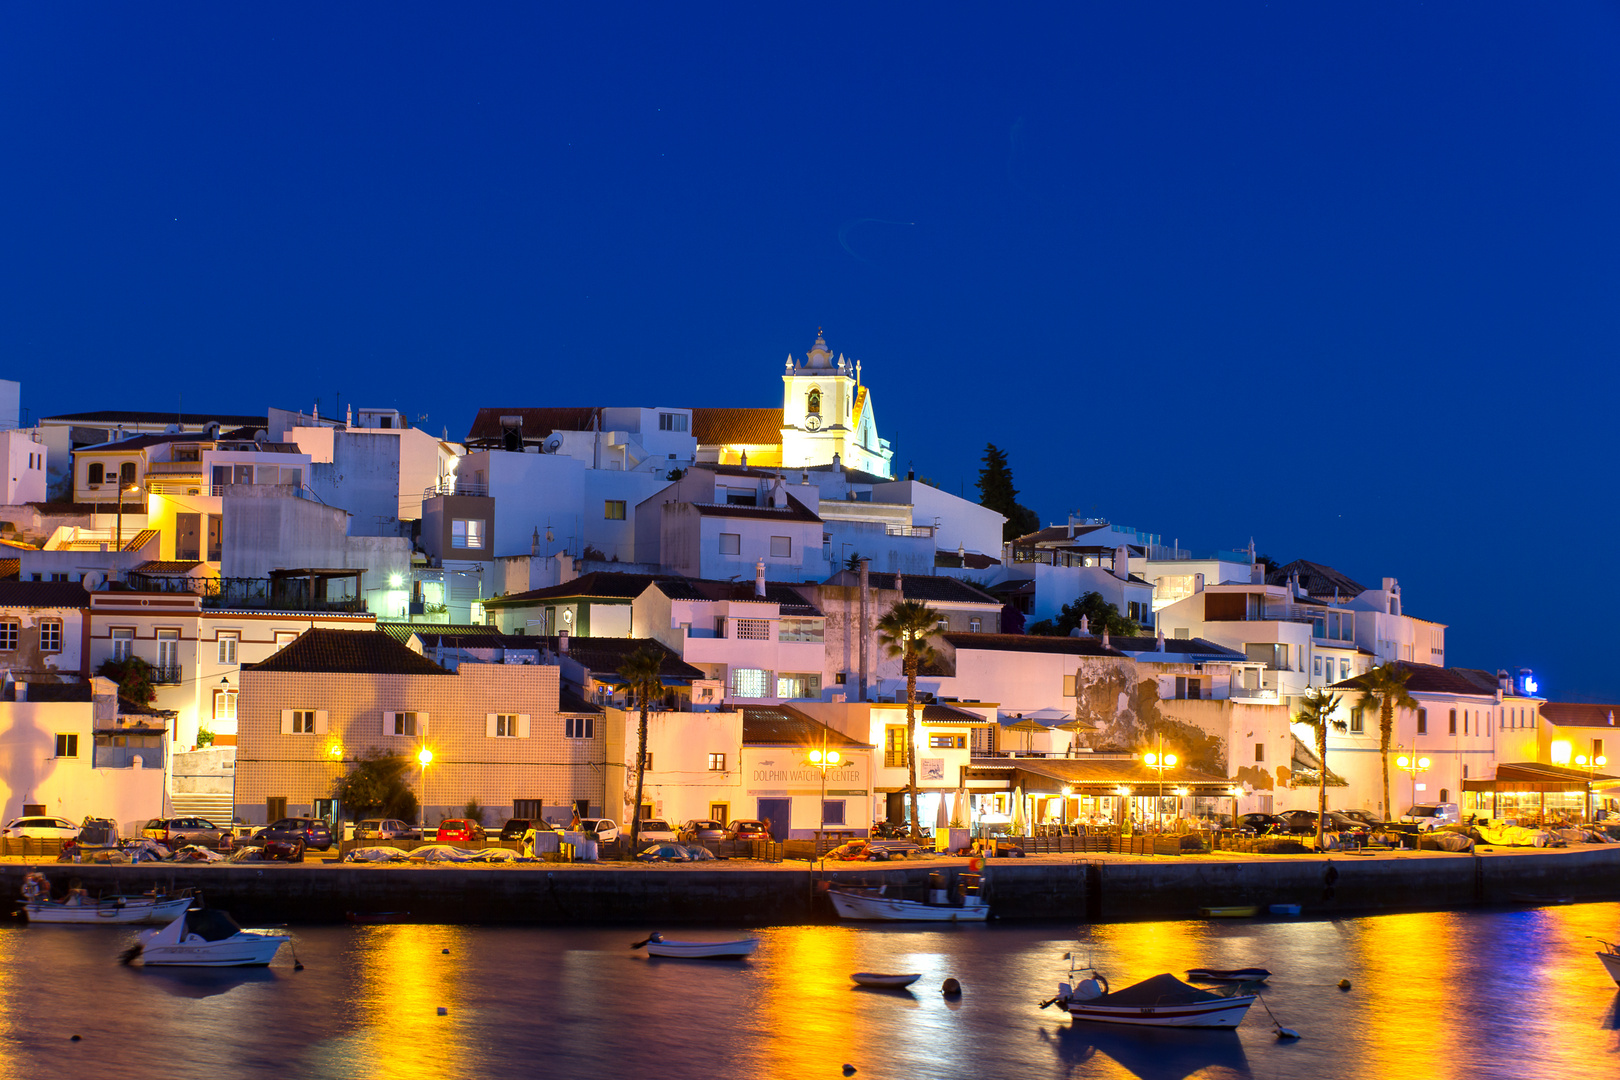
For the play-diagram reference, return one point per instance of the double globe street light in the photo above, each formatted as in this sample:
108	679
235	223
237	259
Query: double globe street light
1160	761
1591	763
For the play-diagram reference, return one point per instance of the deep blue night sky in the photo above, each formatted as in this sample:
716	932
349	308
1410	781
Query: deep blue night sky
1341	278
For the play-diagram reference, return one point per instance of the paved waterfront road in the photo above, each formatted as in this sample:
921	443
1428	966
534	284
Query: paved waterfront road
1466	995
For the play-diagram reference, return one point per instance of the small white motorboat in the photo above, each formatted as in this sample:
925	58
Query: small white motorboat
698	950
80	907
1162	1001
205	938
879	981
1610	958
1237	975
874	906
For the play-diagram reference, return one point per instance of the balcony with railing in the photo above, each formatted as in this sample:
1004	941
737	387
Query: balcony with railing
909	530
166	674
292	590
1255	687
447	486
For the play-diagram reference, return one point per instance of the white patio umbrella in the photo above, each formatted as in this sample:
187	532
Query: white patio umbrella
959	807
1018	811
942	815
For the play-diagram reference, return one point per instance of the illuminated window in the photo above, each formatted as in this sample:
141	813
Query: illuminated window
224	704
792	684
894	747
947	742
717	763
228	640
467	533
750	682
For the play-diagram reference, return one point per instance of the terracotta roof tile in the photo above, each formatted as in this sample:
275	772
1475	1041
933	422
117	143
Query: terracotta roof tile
737	427
43	594
359	652
783	725
1579	714
1072	646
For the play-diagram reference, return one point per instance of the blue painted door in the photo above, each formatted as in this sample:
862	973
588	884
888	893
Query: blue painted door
779	812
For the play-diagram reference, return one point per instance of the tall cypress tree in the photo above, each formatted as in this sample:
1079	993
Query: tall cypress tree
996	492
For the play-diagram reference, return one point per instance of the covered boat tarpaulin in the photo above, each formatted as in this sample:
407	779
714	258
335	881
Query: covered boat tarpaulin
1159	990
375	854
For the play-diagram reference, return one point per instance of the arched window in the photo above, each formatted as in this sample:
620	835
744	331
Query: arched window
815	403
126	473
1445	795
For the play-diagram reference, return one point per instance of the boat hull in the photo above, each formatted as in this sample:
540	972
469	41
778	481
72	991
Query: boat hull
893	909
703	950
1611	964
1238	912
1237	975
244	950
885	982
1226	1013
129	912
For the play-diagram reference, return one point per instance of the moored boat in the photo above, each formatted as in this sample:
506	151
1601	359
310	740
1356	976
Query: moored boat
82	908
205	938
656	945
1238	911
873	905
878	981
1241	975
1610	959
1162	1001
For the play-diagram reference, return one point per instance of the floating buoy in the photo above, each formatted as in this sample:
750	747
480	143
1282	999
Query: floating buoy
849	1070
443	1011
1286	1033
446	952
1344	984
74	1039
951	988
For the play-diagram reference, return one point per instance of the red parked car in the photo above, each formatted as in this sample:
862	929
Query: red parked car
749	829
460	828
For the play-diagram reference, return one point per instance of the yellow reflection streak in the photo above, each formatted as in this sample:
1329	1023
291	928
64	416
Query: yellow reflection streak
403	979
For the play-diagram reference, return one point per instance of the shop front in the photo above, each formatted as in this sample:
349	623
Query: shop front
1022	795
1533	793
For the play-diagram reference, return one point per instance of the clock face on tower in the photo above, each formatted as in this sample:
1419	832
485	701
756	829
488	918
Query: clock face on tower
812	422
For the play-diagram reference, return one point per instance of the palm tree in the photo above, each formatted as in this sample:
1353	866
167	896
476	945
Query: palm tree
1384	688
904	632
853	563
1318	707
640	672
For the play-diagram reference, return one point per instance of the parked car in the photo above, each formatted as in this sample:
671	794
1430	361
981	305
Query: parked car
1428	816
1261	824
749	829
702	829
178	832
40	828
311	832
383	829
1362	816
459	829
604	829
1303	823
657	829
515	828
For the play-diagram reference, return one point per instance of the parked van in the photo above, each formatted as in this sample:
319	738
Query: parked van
1428	816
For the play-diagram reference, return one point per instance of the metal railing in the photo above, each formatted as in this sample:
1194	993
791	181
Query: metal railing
234	592
166	673
457	487
908	530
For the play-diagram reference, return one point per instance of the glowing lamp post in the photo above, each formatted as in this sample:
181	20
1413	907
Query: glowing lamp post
425	757
824	759
1414	765
1590	763
1160	761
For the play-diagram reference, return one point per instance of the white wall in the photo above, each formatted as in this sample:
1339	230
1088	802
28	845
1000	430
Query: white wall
960	522
24	453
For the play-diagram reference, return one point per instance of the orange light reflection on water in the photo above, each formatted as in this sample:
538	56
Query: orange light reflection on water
402	979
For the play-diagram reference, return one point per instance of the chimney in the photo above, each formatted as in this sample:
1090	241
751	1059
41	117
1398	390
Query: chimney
835	460
1122	562
866	616
911	474
900	585
22	691
1105	638
1160	644
745	459
1198	583
1257	573
562	642
1504	681
759	579
1085	625
779	495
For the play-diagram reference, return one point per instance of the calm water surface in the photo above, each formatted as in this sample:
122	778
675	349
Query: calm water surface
1478	994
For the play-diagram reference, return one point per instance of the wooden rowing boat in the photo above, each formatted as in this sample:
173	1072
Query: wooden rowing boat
885	982
1162	1001
1239	975
656	945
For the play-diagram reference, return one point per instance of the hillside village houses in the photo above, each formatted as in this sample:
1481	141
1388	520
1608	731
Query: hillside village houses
303	586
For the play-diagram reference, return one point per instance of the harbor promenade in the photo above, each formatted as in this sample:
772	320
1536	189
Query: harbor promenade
1090	888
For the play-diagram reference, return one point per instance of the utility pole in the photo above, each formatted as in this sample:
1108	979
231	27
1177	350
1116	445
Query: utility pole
866	623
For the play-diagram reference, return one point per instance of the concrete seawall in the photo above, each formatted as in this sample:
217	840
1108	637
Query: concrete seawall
1091	889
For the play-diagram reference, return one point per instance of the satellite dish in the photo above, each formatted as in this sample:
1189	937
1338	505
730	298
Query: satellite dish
94	580
553	444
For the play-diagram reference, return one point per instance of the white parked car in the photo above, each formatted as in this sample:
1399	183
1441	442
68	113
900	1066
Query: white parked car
604	829
658	829
40	828
1428	816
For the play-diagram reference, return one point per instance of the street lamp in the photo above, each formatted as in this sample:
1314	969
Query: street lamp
824	759
1414	765
425	756
1590	763
123	489
1159	761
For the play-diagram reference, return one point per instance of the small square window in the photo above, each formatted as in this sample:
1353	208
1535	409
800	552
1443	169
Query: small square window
303	722
613	509
224	704
67	746
781	547
579	727
8	635
717	763
50	635
228	640
506	725
405	724
730	543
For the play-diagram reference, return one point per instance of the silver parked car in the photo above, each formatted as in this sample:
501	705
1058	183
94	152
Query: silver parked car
384	829
657	829
178	832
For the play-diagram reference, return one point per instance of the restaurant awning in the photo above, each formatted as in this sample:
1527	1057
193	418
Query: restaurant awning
1088	775
1534	776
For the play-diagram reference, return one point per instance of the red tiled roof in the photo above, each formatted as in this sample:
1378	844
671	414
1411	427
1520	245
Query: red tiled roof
1429	679
364	652
1578	714
1073	646
737	427
537	423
